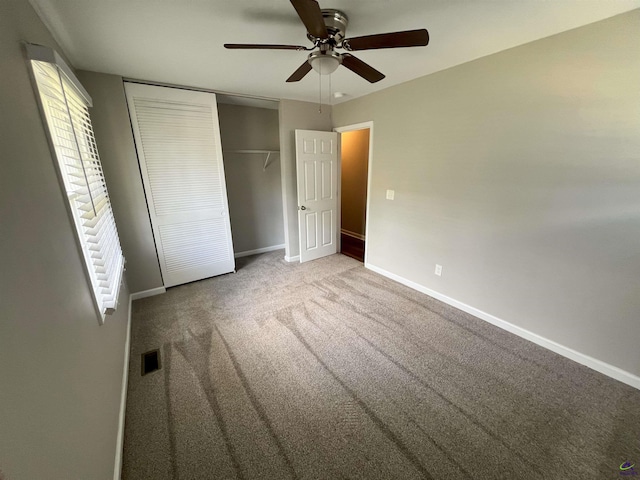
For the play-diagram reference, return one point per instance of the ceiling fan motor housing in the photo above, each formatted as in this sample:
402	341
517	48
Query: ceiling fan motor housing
336	22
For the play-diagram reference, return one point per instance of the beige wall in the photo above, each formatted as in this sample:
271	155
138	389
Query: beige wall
519	173
112	129
255	194
60	372
302	116
354	148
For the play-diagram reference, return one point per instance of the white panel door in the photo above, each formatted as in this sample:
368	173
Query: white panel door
178	142
317	171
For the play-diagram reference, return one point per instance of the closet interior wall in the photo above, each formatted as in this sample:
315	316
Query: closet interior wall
254	188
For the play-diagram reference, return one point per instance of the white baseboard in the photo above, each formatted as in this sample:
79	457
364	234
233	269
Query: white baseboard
292	259
349	233
117	471
586	360
148	293
259	250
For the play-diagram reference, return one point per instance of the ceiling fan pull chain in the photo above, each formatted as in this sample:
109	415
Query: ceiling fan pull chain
320	90
329	101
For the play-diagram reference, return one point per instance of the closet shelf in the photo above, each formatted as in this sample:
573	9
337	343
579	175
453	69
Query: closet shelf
263	152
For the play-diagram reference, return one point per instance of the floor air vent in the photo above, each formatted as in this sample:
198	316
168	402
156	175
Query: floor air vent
150	361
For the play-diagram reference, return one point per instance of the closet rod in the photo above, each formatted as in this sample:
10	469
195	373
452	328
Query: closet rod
268	152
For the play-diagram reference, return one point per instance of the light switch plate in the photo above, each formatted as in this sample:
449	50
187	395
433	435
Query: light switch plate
391	194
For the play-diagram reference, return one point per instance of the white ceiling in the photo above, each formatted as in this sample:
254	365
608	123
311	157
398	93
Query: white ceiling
180	41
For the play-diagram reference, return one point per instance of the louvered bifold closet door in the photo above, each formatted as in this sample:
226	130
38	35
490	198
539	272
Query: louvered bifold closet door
178	142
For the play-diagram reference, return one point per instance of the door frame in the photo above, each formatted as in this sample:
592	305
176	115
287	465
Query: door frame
341	130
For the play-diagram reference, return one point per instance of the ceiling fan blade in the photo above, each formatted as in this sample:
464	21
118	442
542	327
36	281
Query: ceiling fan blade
358	67
311	15
251	46
300	72
409	38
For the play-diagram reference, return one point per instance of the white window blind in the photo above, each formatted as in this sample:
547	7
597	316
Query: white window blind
65	107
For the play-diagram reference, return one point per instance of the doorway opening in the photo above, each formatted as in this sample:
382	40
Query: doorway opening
355	171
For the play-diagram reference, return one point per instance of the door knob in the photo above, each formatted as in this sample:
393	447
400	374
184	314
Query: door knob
303	207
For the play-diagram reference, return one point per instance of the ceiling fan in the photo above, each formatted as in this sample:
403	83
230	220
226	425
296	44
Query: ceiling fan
326	28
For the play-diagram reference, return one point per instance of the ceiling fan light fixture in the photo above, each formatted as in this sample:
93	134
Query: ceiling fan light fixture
325	63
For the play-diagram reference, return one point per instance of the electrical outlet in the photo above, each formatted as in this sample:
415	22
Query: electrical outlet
391	194
438	271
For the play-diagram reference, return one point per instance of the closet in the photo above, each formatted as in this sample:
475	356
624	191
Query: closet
250	143
211	174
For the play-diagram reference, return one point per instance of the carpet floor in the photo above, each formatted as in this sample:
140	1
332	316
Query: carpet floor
326	370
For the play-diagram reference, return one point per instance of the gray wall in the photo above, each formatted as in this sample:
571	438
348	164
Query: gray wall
520	174
255	195
60	372
302	116
354	162
112	129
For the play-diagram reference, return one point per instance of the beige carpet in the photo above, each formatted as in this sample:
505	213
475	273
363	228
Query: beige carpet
327	370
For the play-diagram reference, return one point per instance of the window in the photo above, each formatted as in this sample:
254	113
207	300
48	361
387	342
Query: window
64	104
